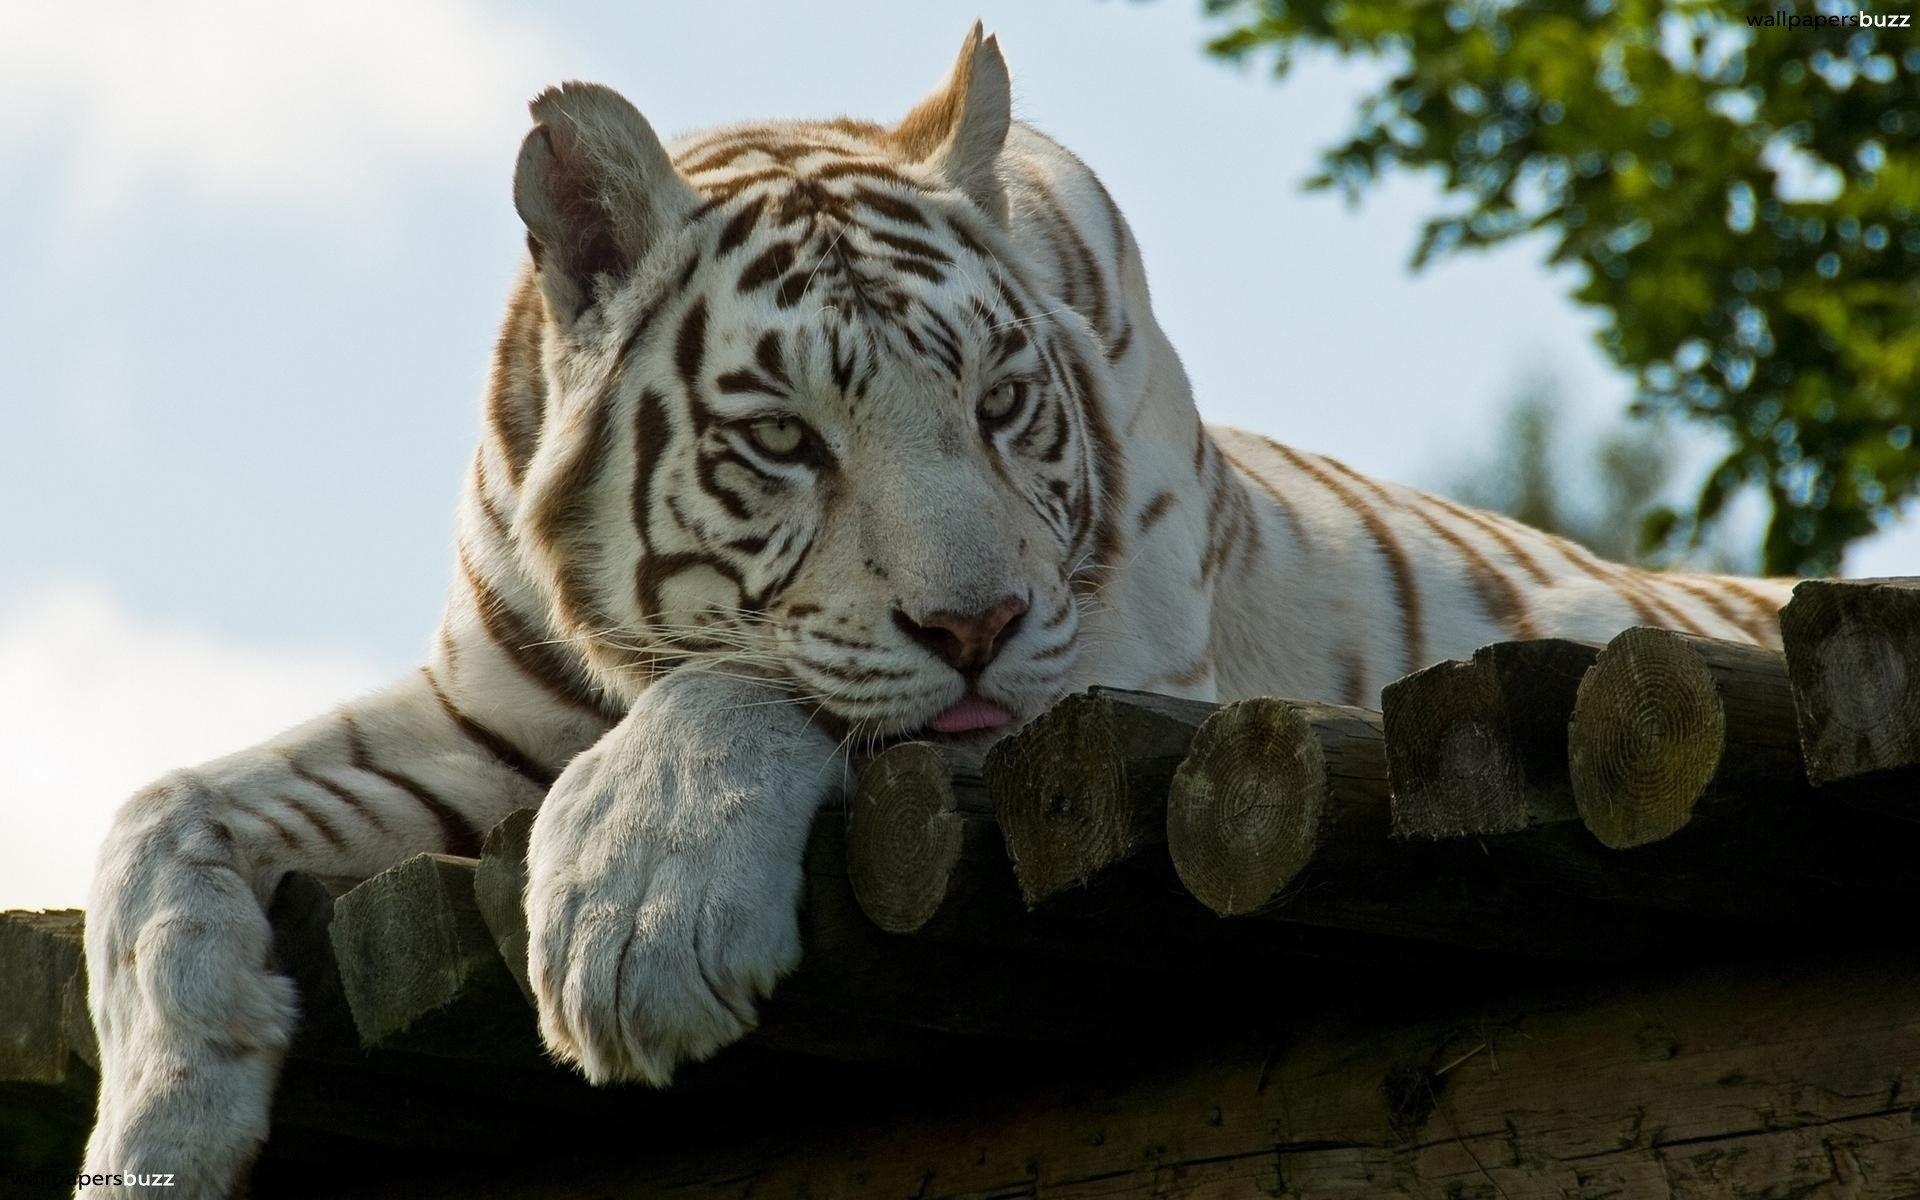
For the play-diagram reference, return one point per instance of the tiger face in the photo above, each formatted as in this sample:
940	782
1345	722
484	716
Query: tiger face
809	418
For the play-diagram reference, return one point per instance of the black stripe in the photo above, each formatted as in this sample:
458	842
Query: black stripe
910	246
888	206
741	383
706	470
321	825
457	836
769	265
914	266
767	354
690	344
650	435
286	835
554	669
739	226
640	327
965	238
792	288
339	793
509	755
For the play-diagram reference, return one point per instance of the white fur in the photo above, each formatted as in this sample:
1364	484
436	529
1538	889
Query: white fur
664	873
191	1022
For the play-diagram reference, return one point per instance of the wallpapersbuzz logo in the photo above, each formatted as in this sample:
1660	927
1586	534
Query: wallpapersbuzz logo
1787	19
63	1183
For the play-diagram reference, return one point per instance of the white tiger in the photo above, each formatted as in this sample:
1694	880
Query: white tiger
800	436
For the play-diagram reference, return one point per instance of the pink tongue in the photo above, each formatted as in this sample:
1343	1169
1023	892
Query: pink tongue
968	714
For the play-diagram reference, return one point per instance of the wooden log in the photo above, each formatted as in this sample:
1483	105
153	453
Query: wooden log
301	913
1084	786
1853	658
424	960
48	1059
444	1080
922	845
926	859
332	1098
1790	1076
336	1097
420	969
1268	786
1281	811
1666	722
1688	746
500	887
977	987
1480	747
44	1029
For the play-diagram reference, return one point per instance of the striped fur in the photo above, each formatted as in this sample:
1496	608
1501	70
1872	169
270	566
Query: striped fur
669	628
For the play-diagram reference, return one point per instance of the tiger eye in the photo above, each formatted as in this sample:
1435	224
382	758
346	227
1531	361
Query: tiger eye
1000	403
778	436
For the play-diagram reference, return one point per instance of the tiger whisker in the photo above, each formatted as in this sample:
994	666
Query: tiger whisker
1020	321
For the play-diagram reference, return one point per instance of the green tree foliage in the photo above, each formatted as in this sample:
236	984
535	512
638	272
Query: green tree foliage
1745	201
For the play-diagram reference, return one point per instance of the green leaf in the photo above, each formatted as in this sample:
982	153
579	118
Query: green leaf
1790	322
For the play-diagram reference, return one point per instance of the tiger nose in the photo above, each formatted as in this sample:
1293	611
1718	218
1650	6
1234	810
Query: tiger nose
965	642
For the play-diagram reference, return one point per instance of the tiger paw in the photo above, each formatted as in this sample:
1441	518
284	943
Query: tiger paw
659	962
664	882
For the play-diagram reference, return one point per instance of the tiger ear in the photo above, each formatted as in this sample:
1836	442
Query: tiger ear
961	128
595	188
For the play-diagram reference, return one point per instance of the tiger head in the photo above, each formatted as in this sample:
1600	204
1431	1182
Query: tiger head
808	415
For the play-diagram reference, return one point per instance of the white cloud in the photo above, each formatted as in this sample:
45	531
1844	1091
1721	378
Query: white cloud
95	703
280	103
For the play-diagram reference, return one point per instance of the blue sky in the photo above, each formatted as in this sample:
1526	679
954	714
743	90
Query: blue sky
256	255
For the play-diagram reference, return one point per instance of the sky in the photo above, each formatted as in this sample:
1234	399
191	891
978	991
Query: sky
255	256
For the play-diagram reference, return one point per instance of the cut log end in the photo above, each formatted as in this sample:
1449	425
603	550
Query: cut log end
1243	810
904	840
1060	794
1852	649
1480	748
1452	773
499	888
1648	731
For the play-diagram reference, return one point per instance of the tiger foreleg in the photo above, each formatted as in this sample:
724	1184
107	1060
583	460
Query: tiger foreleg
193	1019
192	1022
664	875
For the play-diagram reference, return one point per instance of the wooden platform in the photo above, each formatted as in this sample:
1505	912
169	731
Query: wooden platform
1563	921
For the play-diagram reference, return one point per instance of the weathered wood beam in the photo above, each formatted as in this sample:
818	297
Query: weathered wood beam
1268	787
1084	786
1790	1076
1281	811
301	913
1686	746
926	859
978	987
923	848
44	1030
1853	658
420	969
1667	722
48	1059
499	890
1480	747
